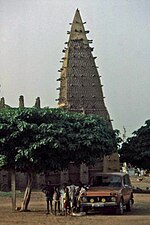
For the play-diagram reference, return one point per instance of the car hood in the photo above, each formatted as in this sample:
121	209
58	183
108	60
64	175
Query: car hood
103	191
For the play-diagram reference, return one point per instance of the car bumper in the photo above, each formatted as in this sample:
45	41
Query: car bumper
98	205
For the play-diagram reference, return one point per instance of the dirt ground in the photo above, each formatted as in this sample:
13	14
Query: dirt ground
140	214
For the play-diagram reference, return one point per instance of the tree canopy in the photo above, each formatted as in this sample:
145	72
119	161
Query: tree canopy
34	139
136	150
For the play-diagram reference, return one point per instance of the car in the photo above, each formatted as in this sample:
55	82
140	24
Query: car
108	191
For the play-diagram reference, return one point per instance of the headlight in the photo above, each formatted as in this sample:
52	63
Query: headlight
84	199
92	200
103	200
113	199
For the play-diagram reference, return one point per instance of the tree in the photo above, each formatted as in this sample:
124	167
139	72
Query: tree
16	135
35	140
136	150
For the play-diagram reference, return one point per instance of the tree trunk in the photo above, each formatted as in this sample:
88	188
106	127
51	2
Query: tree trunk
27	194
13	189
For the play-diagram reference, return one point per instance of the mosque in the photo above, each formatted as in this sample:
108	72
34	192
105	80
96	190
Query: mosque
80	90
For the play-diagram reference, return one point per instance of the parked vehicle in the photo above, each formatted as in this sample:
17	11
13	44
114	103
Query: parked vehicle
108	191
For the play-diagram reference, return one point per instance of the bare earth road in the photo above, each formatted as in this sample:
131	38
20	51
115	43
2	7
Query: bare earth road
140	214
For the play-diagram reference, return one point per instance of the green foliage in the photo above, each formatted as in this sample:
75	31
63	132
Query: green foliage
2	161
136	150
35	140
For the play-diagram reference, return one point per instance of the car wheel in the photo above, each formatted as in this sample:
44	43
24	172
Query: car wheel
119	209
129	206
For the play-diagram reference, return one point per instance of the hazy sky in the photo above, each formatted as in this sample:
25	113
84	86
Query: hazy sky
32	36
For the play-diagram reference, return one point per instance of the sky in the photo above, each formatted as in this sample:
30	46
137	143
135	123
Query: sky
32	36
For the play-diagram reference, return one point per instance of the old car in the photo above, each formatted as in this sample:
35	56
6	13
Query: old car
108	191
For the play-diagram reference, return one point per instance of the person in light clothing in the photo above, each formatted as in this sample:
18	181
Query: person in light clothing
56	198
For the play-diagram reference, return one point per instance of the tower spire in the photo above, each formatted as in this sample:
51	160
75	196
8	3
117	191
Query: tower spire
77	29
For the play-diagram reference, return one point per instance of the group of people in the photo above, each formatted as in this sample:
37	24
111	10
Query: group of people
65	200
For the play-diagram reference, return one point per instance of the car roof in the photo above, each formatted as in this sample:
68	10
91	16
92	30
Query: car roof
111	173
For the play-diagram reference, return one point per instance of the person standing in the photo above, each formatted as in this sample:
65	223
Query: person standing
49	192
57	199
62	193
72	197
66	201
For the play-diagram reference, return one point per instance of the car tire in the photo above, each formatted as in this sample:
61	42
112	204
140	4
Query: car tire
119	209
129	206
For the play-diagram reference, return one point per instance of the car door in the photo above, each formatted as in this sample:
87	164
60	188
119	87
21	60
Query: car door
127	188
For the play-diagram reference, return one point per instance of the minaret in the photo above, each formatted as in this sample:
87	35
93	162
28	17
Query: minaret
80	86
81	89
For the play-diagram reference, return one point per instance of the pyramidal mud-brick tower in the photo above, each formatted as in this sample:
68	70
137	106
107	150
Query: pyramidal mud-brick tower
80	85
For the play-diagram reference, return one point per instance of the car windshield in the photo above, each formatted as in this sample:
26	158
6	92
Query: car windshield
106	181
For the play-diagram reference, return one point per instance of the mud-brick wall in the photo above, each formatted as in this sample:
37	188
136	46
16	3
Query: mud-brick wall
4	181
111	163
